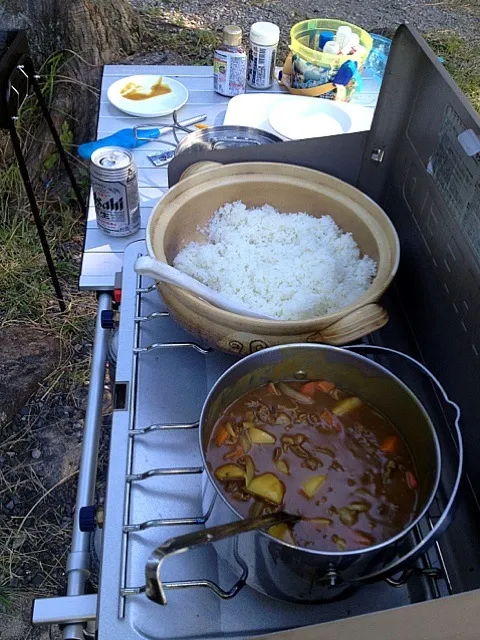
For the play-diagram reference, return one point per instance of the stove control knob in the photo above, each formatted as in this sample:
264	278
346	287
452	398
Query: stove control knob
90	518
107	319
87	519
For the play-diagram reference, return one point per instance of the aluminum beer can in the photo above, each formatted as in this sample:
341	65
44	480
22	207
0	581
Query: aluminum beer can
113	176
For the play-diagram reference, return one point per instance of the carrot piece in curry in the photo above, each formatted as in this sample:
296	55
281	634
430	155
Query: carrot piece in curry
324	385
364	539
308	389
327	417
411	480
221	436
390	444
237	453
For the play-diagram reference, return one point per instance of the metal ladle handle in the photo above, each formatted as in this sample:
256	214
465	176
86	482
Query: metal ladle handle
165	128
154	587
442	523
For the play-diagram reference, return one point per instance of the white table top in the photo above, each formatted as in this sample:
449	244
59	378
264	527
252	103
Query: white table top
103	254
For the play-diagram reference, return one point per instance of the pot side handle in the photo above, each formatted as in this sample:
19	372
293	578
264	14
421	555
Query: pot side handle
444	520
199	167
154	588
353	326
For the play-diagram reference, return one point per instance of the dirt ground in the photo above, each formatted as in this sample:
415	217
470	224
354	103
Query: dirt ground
39	450
373	15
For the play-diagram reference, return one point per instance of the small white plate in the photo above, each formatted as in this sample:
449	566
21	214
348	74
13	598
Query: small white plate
308	117
156	106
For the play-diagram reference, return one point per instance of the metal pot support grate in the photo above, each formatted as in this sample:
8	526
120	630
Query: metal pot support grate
425	536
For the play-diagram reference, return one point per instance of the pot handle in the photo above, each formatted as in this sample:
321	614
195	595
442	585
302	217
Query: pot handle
444	520
353	326
199	167
154	587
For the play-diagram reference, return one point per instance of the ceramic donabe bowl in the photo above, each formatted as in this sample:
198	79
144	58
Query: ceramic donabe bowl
189	205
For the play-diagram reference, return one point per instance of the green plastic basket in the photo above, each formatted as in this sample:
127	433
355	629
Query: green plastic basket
304	35
313	68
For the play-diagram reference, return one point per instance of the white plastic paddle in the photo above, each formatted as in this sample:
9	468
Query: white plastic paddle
152	268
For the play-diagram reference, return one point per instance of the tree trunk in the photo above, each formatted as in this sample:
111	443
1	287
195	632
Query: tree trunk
100	31
87	34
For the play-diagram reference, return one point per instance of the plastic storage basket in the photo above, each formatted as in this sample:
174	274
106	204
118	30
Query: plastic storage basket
312	69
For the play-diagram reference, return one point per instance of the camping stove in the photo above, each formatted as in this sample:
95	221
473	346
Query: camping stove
154	493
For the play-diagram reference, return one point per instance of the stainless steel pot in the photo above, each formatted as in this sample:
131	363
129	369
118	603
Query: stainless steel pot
274	567
225	137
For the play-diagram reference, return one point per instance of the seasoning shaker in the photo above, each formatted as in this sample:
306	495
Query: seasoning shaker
343	35
230	63
331	47
262	54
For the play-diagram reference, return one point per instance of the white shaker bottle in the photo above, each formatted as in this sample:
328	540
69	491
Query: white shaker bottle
343	35
262	53
352	45
331	47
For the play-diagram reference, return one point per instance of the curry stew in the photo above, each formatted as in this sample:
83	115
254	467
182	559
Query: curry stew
314	450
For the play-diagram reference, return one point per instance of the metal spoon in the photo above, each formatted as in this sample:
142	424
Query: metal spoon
147	266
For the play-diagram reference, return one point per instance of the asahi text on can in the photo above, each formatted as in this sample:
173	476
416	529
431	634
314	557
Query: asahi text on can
113	175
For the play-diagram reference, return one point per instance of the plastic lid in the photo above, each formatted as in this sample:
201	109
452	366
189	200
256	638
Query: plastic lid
265	33
232	35
344	29
112	157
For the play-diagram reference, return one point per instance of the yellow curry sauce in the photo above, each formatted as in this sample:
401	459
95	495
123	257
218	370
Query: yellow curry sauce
314	450
134	91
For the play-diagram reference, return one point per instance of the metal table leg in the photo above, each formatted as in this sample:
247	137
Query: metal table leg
17	148
78	563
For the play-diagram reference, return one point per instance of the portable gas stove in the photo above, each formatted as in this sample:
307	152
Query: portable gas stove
154	493
156	473
163	375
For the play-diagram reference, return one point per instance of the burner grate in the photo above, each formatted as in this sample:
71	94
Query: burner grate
155	467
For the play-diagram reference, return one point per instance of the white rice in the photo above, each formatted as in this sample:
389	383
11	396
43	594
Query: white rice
290	266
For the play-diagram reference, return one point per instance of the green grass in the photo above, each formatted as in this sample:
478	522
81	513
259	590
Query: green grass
27	297
27	292
462	61
169	30
25	284
4	599
196	46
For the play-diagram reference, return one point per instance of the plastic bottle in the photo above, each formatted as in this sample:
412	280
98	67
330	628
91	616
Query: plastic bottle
331	47
352	45
230	63
262	54
343	35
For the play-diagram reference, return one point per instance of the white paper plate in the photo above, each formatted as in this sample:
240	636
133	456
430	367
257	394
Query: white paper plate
308	117
157	106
